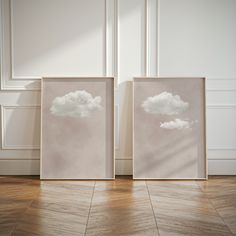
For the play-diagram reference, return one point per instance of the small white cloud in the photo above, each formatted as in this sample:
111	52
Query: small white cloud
76	104
176	124
165	104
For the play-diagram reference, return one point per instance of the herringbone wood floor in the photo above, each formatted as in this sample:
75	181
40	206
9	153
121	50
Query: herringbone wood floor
120	207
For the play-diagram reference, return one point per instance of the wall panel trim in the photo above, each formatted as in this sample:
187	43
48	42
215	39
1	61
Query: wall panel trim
151	23
222	148
116	42
221	106
146	40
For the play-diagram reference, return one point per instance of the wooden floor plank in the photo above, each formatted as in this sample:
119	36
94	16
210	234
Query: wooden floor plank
121	208
29	206
221	191
60	208
182	208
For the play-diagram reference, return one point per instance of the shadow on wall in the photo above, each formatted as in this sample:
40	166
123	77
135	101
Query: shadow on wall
125	120
56	49
58	52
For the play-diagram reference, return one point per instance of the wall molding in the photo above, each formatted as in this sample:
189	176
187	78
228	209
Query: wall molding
221	149
151	23
117	127
214	78
123	167
221	167
106	30
146	39
221	90
116	55
221	106
4	131
158	36
19	167
13	77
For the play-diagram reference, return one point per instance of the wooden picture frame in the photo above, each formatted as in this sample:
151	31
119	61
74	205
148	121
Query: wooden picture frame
77	128
169	128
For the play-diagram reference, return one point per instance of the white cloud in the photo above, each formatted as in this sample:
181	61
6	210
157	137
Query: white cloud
76	104
165	104
176	124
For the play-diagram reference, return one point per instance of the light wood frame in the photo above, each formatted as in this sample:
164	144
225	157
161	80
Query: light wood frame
204	128
113	125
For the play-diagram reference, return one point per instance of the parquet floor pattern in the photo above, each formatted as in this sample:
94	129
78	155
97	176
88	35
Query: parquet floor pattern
29	206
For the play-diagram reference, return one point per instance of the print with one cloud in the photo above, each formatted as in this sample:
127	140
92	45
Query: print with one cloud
165	104
75	104
176	124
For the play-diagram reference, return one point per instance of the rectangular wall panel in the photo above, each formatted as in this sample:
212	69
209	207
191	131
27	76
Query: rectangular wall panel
223	84
20	127
221	127
64	38
221	97
72	43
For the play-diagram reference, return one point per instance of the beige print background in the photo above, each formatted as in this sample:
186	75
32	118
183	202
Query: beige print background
75	147
169	153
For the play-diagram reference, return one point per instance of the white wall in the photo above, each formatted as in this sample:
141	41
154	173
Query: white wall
123	38
197	38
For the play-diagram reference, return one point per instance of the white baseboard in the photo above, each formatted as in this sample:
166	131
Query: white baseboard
222	167
19	167
123	167
31	167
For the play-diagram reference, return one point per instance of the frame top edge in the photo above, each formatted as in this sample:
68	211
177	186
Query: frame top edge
79	77
156	77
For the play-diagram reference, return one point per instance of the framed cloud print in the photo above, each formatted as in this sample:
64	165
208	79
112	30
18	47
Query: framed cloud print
77	128
169	140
